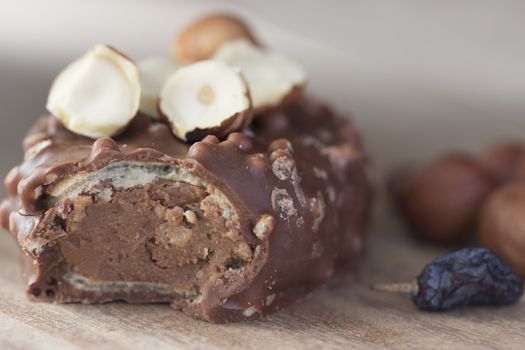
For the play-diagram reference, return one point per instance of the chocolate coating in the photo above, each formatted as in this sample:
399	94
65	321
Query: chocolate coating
224	231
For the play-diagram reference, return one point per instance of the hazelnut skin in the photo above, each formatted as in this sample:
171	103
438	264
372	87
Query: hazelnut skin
506	161
202	38
440	201
502	225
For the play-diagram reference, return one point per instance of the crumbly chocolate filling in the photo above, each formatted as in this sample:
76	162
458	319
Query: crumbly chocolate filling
166	237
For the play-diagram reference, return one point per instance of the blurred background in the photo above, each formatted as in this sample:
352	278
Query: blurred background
417	76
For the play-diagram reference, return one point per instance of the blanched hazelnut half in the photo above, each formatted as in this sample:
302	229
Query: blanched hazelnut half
153	73
205	98
202	38
98	94
272	77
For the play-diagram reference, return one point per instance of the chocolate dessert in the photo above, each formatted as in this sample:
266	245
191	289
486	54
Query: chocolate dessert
226	209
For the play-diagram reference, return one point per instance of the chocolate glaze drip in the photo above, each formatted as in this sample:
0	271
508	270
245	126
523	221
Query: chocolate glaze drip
301	168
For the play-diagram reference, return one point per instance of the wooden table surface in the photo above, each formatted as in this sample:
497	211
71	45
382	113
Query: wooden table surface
345	315
418	77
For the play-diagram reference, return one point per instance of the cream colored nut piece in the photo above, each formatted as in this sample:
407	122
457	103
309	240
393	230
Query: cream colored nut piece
202	38
206	98
153	73
98	94
272	77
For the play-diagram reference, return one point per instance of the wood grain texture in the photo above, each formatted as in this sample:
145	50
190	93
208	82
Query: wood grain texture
346	314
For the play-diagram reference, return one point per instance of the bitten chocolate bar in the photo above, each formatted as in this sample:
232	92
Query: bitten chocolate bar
217	187
222	230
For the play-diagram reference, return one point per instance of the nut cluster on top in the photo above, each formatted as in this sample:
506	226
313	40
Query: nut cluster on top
220	78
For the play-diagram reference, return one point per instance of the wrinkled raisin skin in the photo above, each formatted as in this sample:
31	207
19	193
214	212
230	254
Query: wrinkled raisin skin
470	276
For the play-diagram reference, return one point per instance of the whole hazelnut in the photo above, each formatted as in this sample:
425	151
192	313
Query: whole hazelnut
502	225
440	201
202	38
506	161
